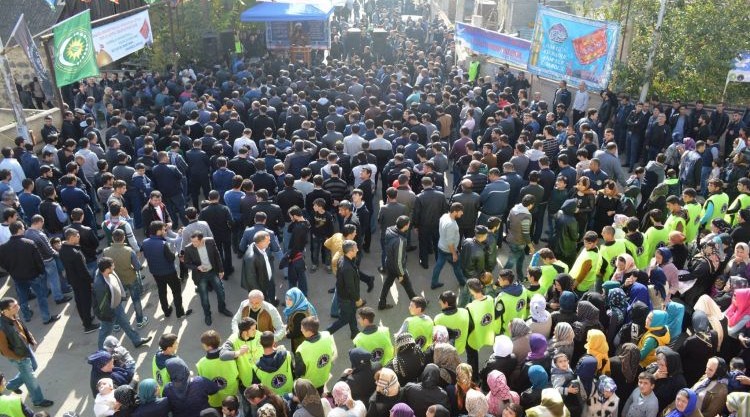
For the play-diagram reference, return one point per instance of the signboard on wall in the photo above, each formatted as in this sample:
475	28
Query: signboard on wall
122	37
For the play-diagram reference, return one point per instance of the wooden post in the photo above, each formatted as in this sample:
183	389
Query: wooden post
15	101
53	77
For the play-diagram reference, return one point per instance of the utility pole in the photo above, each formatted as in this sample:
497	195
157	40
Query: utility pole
654	45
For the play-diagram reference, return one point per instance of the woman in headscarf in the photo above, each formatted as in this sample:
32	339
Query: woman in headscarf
588	318
586	375
739	265
632	332
617	309
444	356
663	259
260	395
738	313
386	393
551	405
712	389
538	355
297	308
567	311
439	335
600	302
308	399
401	410
346	406
361	375
499	395
597	346
150	404
438	410
104	403
607	203
187	396
624	266
657	335
658	288
698	347
738	403
476	404
562	341
679	249
540	321
464	383
668	373
675	318
604	401
685	405
502	360
426	393
408	361
703	269
657	200
716	318
563	282
519	334
625	367
539	381
126	401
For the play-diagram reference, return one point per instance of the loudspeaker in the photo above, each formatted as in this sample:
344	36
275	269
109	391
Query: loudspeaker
379	41
354	41
226	39
211	48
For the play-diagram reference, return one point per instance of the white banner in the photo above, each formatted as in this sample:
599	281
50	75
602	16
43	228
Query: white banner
122	37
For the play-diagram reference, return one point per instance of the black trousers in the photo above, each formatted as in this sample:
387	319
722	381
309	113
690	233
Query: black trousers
389	280
224	245
237	230
428	237
347	315
171	281
82	295
196	184
472	358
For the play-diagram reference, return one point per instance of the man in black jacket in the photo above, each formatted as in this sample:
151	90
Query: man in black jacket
203	258
219	219
274	216
288	198
88	241
21	258
257	267
347	290
428	207
79	276
299	233
474	254
395	261
198	171
262	179
167	180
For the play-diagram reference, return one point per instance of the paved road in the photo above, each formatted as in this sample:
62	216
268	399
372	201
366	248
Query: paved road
63	347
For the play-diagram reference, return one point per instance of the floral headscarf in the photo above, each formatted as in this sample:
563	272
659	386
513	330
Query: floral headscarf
476	403
519	328
387	383
617	302
440	334
606	384
341	393
499	392
563	335
630	358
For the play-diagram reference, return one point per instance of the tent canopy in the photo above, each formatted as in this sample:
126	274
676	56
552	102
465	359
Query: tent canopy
285	12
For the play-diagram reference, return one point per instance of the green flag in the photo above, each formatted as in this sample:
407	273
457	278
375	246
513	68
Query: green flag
74	50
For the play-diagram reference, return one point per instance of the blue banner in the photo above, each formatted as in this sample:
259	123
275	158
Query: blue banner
514	51
573	48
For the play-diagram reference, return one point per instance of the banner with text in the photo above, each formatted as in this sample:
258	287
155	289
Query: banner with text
122	37
315	34
515	51
573	48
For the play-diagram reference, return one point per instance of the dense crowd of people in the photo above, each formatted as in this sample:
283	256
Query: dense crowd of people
625	227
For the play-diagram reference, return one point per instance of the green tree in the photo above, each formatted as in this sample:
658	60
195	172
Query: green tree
699	39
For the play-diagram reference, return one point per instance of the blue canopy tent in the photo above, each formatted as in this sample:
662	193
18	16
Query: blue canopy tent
293	23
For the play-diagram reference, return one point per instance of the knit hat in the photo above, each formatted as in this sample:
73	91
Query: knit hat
99	359
403	340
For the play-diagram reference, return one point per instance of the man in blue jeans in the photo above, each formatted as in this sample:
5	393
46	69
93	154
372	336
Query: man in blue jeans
16	345
203	258
109	297
519	233
448	245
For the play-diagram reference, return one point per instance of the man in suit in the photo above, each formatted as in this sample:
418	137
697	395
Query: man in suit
203	258
257	267
219	219
198	171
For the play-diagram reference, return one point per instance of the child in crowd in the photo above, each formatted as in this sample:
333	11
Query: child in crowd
120	354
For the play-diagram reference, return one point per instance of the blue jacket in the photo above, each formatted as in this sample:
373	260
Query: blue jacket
159	255
167	179
73	197
249	234
232	200
222	181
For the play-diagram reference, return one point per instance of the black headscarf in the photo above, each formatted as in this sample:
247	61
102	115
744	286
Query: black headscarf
674	362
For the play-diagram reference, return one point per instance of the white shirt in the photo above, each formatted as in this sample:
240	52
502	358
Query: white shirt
581	101
353	144
246	142
17	175
358	169
268	264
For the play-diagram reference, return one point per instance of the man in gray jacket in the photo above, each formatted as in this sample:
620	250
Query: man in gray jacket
387	217
519	234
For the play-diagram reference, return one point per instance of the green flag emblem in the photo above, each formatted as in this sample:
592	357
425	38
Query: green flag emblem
74	50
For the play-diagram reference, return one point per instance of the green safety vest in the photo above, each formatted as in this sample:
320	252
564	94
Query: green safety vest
246	363
720	202
742	201
280	381
590	279
222	372
474	70
10	405
673	221
161	376
609	255
549	272
482	313
238	47
458	323
510	307
694	218
377	343
654	239
421	329
318	359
